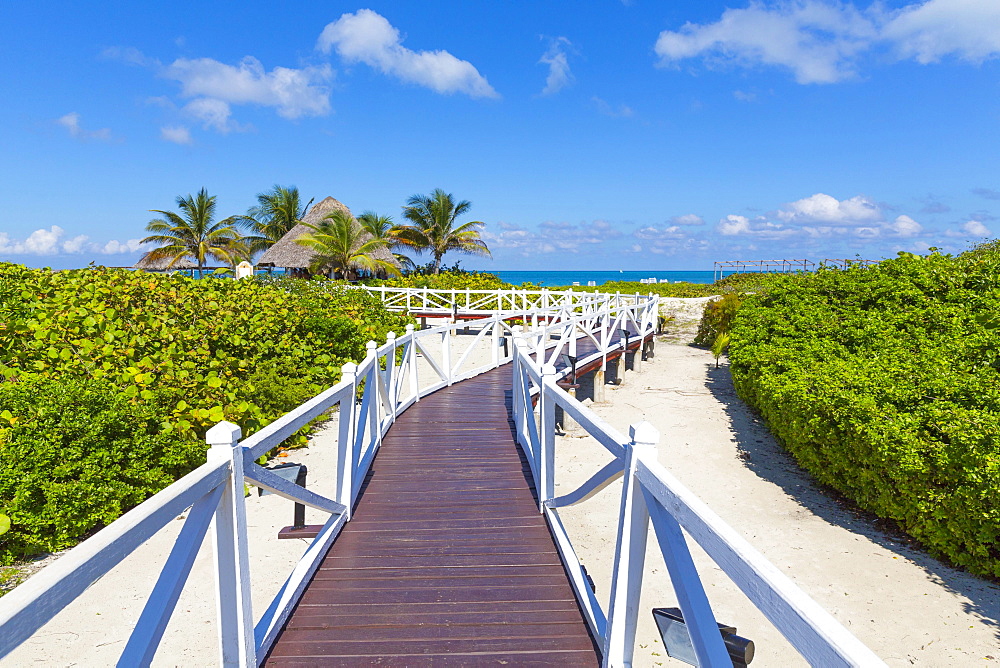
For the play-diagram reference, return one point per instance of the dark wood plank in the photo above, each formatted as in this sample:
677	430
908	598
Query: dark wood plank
558	658
447	560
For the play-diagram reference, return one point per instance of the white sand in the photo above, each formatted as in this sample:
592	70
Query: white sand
906	606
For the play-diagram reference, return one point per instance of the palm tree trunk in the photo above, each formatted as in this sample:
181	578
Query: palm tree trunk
437	263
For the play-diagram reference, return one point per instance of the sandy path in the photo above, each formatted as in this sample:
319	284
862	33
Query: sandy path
906	606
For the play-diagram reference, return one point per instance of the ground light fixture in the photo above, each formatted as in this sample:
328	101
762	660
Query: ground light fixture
570	362
292	473
677	641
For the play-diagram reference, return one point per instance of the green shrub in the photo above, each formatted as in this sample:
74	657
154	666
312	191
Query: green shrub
883	382
158	360
77	454
635	287
717	319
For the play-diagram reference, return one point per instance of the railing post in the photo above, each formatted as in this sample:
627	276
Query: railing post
517	342
232	559
345	440
414	381
375	402
446	354
390	376
630	552
495	352
546	437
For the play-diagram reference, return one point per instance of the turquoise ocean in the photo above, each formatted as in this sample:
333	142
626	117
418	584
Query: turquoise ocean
582	276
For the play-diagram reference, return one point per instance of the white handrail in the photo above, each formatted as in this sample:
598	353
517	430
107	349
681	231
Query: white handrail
651	494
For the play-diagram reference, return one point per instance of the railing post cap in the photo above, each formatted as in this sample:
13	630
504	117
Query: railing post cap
410	328
225	433
349	369
389	336
370	347
644	433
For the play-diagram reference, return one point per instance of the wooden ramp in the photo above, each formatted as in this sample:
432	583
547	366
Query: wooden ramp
447	560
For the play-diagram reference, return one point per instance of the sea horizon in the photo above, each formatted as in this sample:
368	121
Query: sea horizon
584	276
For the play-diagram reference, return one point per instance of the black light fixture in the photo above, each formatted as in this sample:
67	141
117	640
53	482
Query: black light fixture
292	473
677	641
570	361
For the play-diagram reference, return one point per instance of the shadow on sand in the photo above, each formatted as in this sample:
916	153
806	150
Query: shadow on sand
761	454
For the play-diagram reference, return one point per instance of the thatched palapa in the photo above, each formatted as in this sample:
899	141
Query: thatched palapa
161	264
295	258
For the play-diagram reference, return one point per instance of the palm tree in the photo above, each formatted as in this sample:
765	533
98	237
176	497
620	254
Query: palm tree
274	216
382	227
193	233
433	227
343	246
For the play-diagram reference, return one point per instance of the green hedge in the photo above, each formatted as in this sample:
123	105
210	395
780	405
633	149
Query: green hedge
883	382
109	380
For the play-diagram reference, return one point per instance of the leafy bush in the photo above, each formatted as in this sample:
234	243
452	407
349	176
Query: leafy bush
884	382
717	319
448	280
153	360
77	454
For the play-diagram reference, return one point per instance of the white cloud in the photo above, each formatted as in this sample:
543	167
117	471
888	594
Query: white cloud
826	210
214	114
45	241
822	41
558	61
53	241
553	237
816	40
294	93
74	245
178	134
653	233
71	122
687	219
976	228
903	226
366	36
821	216
968	29
973	228
736	225
622	111
129	55
115	247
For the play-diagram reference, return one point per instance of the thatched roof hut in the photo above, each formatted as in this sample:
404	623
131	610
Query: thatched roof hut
286	253
147	264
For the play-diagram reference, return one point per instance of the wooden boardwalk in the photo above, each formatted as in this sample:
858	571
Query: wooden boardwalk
447	560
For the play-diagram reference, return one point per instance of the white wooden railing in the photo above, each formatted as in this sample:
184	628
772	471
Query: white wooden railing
389	380
488	302
651	494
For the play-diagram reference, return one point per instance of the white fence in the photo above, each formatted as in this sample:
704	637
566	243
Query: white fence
651	494
489	302
389	380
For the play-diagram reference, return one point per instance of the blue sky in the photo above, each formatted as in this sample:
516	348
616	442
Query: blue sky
611	135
